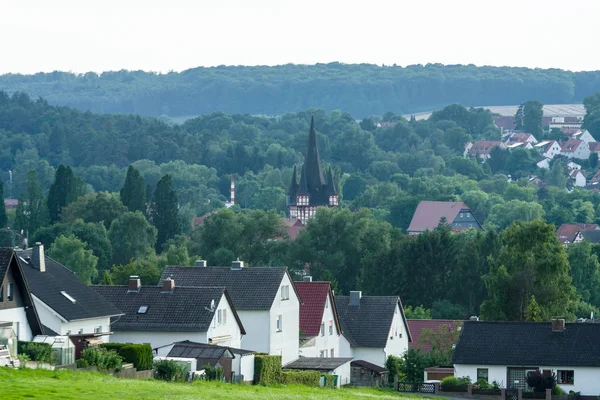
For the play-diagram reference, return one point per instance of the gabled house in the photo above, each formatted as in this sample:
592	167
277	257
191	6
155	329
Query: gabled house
519	145
506	351
419	326
320	332
481	149
160	315
565	123
579	134
577	178
572	233
264	297
65	305
549	148
293	227
375	326
522	137
17	308
428	214
574	148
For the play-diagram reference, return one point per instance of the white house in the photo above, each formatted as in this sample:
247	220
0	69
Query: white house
505	351
522	137
265	299
549	148
481	149
544	164
375	326
577	177
161	315
17	308
583	135
321	335
574	148
66	306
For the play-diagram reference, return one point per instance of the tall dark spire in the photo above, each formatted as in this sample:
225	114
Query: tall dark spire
312	165
302	186
330	183
293	186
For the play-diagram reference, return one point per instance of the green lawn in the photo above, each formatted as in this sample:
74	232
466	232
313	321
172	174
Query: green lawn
38	384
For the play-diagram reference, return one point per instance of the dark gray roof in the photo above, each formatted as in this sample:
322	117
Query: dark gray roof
253	288
182	310
368	365
592	235
48	285
199	351
49	332
528	344
367	325
6	254
317	363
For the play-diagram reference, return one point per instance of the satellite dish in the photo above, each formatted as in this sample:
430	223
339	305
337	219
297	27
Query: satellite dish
212	304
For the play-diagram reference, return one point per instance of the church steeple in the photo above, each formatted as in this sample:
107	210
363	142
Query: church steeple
314	173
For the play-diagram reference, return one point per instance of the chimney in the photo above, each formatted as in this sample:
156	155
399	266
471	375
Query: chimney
355	298
558	325
134	283
168	285
237	265
307	278
474	318
201	263
38	259
232	190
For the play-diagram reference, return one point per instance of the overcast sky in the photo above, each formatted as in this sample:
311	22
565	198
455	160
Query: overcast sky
84	35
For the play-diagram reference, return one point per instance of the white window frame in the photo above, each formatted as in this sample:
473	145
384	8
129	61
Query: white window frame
322	328
279	323
330	327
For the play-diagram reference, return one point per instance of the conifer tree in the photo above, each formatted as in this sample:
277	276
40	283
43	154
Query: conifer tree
3	218
165	211
63	191
133	192
32	212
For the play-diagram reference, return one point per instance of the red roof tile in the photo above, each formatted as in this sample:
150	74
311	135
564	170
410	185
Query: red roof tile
416	327
428	214
313	296
567	232
483	147
505	122
594	146
293	227
571	145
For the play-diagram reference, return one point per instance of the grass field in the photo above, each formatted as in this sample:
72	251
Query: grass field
38	384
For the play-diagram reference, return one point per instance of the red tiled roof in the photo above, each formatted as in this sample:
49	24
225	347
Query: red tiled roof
293	227
571	145
520	137
566	232
596	177
416	327
594	146
428	214
505	122
11	203
569	131
313	296
483	146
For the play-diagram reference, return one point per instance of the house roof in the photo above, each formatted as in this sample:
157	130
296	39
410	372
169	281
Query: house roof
49	286
293	227
369	324
201	351
505	122
591	235
483	147
317	363
521	137
368	365
566	232
594	147
571	145
314	297
253	288
528	344
417	326
428	214
184	309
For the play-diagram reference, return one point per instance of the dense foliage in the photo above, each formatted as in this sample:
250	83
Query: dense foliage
306	378
41	352
103	359
140	355
267	369
170	370
360	89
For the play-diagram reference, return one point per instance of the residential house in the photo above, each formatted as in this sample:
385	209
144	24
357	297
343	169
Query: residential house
428	214
265	299
565	123
66	306
579	134
536	181
11	204
335	366
572	233
573	165
596	177
594	147
577	178
544	164
549	148
519	145
481	149
364	373
591	235
506	123
293	227
522	137
320	332
574	148
418	326
17	308
375	326
160	315
506	351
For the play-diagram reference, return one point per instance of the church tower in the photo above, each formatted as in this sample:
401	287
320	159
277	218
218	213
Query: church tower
312	191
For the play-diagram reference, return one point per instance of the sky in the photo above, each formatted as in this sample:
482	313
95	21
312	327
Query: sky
174	35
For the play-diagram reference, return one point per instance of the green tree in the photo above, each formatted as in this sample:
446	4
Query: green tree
532	313
31	212
165	211
63	191
532	117
3	217
442	341
585	270
133	192
557	176
72	253
100	207
593	160
132	238
418	312
145	269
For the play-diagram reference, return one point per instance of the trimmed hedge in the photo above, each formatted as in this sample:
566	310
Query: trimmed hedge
102	358
41	352
140	355
267	369
306	378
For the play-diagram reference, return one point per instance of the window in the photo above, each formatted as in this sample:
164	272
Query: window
330	328
221	317
322	328
98	329
565	377
143	310
81	331
331	353
482	373
224	317
68	332
322	353
9	293
285	292
279	323
326	355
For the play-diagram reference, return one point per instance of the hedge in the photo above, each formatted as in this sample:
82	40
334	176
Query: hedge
102	358
41	352
306	378
267	369
329	380
140	355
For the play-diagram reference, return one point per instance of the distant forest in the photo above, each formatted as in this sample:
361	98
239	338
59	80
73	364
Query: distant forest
359	89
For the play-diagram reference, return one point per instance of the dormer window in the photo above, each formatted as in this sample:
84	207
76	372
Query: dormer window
333	200
302	200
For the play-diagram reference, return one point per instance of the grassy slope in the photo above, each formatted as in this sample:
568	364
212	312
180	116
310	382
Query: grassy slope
37	384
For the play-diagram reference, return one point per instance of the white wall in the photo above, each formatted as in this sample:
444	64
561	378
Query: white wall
371	354
327	341
157	339
20	323
257	326
397	342
285	343
243	365
345	348
343	372
495	372
229	333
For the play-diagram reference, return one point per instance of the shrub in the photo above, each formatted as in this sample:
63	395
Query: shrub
267	369
169	370
140	355
306	378
213	373
453	384
101	358
41	352
394	366
329	380
539	382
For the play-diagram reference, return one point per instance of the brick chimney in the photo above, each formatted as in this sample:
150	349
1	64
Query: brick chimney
355	297
135	283
558	325
307	278
38	258
168	285
237	265
201	263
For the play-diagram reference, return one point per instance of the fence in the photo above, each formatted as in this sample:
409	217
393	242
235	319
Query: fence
470	391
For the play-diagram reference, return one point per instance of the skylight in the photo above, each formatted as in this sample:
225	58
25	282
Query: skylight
143	310
68	296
